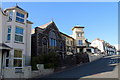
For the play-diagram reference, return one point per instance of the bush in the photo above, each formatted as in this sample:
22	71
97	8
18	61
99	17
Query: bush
49	60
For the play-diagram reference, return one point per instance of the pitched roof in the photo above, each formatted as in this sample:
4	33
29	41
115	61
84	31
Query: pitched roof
45	25
67	35
15	7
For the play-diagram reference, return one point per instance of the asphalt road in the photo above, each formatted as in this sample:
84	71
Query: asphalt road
106	67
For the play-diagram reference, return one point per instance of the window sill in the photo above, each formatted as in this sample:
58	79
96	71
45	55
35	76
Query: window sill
7	41
18	42
9	21
20	22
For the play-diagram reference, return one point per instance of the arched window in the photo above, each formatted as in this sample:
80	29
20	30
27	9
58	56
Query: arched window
44	45
52	39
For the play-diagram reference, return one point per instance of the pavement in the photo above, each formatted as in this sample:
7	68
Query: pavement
105	68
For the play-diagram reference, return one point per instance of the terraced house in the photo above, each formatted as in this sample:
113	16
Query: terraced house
15	42
105	47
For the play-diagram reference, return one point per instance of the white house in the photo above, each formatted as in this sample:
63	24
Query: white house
15	42
80	41
105	47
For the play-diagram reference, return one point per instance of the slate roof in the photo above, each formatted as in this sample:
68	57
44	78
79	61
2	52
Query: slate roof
45	25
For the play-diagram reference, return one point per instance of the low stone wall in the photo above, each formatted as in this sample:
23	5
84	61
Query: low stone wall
11	73
93	57
41	71
26	72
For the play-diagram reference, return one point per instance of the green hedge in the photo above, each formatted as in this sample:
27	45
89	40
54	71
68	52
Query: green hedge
50	60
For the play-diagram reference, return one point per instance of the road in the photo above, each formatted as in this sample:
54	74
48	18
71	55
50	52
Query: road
106	67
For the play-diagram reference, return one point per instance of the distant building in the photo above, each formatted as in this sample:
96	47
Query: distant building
15	41
105	47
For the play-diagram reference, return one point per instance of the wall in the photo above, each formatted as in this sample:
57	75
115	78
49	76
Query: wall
41	71
10	73
0	61
93	57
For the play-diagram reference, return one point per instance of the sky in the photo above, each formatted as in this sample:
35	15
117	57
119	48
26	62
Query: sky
100	19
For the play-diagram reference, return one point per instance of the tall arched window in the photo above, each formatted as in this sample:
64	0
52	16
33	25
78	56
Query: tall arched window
44	45
52	39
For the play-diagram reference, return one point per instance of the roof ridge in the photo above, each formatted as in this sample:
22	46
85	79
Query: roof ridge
45	25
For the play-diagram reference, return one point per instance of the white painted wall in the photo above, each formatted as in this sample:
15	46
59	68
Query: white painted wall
98	44
25	46
0	61
74	35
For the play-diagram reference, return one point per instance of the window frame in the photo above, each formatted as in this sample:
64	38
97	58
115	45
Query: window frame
19	18
80	42
17	58
10	17
9	33
19	34
7	58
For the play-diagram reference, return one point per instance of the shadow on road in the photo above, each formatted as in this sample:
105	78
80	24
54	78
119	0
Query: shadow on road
102	65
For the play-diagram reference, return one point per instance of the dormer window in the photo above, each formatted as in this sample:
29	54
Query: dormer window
20	17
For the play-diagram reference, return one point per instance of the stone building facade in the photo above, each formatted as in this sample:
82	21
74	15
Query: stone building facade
48	38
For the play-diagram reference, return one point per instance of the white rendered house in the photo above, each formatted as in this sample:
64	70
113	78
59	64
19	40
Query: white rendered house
15	41
105	47
80	41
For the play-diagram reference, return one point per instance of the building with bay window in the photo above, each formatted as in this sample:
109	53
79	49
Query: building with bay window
15	41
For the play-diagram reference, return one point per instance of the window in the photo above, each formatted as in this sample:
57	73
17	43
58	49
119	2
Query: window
10	16
20	17
7	59
52	39
17	58
44	45
79	34
9	33
19	34
80	42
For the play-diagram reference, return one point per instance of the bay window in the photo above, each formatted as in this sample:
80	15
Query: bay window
19	34
17	58
9	33
19	17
